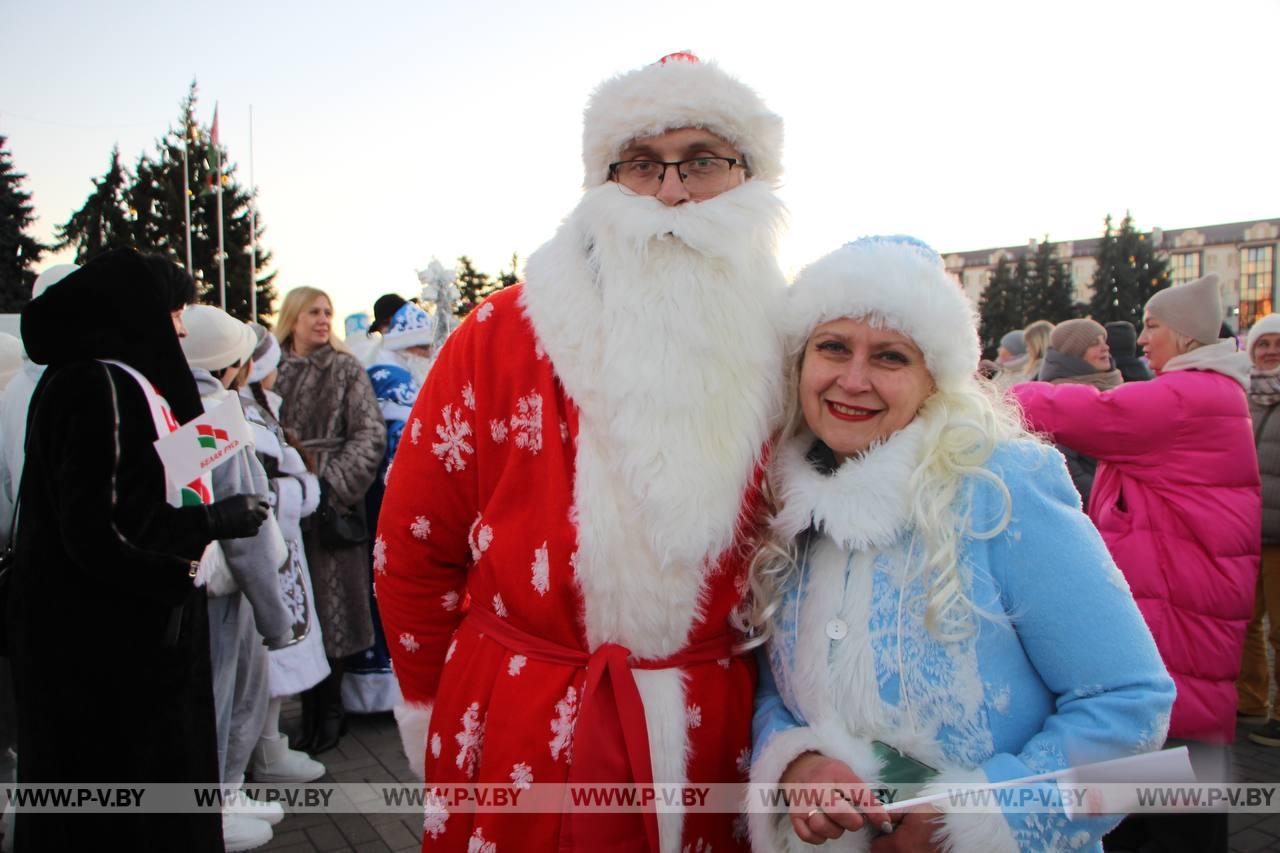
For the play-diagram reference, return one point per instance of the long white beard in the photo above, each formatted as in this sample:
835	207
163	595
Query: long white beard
660	322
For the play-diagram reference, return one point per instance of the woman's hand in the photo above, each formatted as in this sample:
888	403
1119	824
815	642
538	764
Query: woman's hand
847	802
914	834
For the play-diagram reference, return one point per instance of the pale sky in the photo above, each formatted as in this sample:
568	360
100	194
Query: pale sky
388	133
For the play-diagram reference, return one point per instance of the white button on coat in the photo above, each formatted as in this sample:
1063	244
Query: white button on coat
837	629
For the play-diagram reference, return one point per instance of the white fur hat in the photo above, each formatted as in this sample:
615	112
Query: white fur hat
1268	325
899	283
215	340
679	91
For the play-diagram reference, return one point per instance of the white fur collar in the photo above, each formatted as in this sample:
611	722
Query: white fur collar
863	504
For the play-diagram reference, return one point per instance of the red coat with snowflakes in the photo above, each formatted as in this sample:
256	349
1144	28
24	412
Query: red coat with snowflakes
479	513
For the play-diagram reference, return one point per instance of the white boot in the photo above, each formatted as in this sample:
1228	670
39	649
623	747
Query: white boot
243	833
274	761
237	802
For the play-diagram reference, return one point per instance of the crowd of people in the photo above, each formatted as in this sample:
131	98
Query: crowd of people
650	516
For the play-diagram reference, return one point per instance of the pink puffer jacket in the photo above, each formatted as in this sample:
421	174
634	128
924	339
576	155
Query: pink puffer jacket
1177	499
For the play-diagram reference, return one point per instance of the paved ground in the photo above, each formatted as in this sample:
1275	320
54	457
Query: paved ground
371	752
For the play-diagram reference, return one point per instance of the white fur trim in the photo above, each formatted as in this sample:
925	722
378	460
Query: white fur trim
663	695
863	504
970	832
674	94
897	284
773	831
413	719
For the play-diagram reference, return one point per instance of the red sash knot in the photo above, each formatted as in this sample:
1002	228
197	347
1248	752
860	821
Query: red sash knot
610	737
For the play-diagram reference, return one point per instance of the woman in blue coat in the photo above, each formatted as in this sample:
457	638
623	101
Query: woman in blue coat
936	606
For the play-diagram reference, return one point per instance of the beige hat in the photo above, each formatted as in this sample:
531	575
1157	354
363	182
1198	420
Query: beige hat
1193	309
1073	337
215	340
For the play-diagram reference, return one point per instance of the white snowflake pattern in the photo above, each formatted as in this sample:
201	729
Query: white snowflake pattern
564	432
434	814
420	528
699	846
469	397
415	430
522	776
485	312
380	555
380	374
744	761
470	740
436	745
1152	736
449	601
499	607
480	537
562	726
477	844
409	642
516	664
693	716
723	663
541	570
453	647
453	444
498	429
526	423
1000	699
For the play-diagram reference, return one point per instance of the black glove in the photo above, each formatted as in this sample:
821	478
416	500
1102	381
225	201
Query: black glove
238	516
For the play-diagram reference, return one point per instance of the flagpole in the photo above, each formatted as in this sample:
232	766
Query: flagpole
222	266
186	190
253	230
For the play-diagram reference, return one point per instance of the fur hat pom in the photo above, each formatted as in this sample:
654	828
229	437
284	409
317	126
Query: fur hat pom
896	282
679	91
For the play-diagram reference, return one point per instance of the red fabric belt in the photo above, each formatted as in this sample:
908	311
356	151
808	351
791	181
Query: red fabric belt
610	739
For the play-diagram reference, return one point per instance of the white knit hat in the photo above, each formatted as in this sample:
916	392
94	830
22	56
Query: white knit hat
674	92
215	340
1268	325
50	277
897	282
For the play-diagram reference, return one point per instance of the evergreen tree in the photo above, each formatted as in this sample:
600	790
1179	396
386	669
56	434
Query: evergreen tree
103	221
473	287
999	308
506	278
19	251
1129	273
1048	293
156	196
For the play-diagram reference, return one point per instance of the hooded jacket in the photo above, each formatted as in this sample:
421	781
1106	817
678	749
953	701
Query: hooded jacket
1177	500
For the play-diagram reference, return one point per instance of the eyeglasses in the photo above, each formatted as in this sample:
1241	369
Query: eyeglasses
700	175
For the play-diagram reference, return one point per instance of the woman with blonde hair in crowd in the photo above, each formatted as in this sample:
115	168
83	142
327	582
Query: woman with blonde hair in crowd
329	404
935	606
1036	337
1176	497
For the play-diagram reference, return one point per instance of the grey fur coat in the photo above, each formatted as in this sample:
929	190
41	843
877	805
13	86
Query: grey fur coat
329	404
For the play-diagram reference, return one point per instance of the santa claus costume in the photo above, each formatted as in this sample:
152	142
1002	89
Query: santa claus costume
567	523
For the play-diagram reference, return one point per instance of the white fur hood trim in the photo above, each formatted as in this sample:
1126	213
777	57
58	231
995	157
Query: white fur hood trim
863	504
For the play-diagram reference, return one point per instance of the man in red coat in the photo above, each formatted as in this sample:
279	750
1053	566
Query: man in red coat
569	517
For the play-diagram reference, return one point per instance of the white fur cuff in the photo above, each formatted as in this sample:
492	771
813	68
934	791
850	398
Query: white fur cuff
413	719
970	832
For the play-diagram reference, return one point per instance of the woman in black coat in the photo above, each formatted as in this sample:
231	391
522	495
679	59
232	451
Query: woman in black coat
107	632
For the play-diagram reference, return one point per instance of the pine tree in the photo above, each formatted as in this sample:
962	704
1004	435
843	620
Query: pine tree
19	251
473	286
103	222
1048	289
506	278
1129	273
156	196
999	308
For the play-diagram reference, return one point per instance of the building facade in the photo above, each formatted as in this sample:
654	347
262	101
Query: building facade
1243	254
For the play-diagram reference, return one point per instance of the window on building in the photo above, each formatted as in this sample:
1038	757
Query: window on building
1184	267
1257	283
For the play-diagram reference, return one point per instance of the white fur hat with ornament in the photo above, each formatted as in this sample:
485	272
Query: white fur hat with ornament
678	91
894	282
